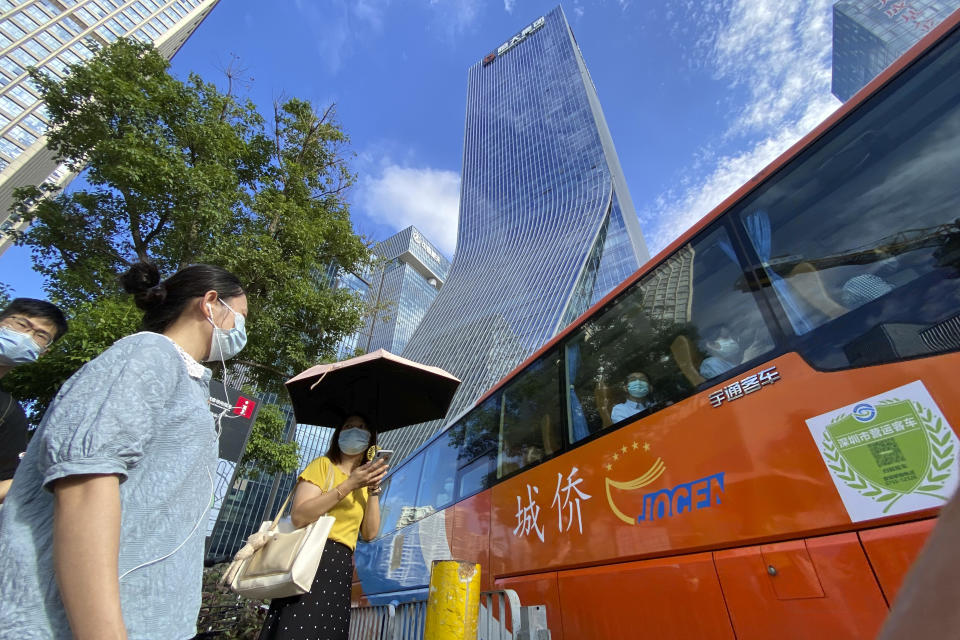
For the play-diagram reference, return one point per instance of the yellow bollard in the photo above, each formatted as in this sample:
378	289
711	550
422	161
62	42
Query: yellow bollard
454	601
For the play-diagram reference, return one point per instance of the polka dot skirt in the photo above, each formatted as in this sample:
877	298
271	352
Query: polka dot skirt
324	612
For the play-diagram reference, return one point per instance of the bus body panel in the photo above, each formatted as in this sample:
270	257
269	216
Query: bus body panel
402	560
471	534
662	598
539	588
750	469
892	550
840	599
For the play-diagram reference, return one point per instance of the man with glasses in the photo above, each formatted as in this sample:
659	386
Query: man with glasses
27	329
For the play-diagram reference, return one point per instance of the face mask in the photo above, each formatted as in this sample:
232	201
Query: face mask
726	348
638	388
353	441
17	348
226	343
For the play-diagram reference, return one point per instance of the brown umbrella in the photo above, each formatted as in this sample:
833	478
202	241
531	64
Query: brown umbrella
390	390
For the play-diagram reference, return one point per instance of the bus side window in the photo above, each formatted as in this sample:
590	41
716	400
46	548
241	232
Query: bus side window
399	508
860	241
691	320
531	416
439	474
475	436
726	330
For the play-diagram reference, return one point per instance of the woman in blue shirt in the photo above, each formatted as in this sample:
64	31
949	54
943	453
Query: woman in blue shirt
101	534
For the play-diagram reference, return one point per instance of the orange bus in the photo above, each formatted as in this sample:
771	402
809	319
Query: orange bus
749	438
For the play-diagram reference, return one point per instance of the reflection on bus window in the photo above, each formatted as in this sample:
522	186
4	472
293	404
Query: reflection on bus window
475	436
531	416
860	241
439	473
691	320
398	508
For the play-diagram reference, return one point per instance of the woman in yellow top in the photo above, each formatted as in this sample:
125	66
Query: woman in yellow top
344	485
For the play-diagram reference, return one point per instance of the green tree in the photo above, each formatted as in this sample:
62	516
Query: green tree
179	172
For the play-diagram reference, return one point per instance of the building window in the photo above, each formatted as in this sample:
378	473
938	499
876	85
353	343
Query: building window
23	95
9	149
37	125
85	16
97	10
10	66
10	106
22	57
34	48
49	41
82	51
106	34
58	30
51	8
25	23
70	24
132	17
15	32
58	67
22	136
37	14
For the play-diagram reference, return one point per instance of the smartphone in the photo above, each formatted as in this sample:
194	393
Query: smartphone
383	454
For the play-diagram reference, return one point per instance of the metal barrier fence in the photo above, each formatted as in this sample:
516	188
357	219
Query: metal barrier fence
501	618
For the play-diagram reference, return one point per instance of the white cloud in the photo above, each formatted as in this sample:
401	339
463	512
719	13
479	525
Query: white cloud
453	17
424	197
335	21
780	54
508	5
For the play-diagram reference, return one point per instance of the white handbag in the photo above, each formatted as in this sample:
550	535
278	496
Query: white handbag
280	560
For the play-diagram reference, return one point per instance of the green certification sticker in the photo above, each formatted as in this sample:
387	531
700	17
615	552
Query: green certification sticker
889	454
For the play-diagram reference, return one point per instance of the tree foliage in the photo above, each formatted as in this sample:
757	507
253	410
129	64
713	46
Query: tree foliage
179	172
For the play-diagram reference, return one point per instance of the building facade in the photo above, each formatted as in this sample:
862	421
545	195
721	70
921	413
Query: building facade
402	290
868	35
546	226
50	35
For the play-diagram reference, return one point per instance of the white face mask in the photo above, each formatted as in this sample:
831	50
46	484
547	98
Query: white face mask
226	343
726	348
353	440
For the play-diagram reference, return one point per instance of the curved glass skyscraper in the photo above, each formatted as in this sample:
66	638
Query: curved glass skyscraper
547	226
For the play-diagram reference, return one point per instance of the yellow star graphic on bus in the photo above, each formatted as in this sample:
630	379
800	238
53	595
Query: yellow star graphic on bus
635	446
608	466
623	449
646	446
616	456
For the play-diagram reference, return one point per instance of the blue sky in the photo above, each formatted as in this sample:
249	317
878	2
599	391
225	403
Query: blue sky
698	96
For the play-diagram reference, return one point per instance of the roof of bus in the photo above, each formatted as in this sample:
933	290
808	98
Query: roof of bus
927	42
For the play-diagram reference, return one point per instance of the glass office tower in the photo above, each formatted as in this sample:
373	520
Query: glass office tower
403	290
546	227
870	34
49	35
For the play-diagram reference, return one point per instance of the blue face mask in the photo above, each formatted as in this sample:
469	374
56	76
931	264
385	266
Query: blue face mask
17	348
226	343
638	388
353	441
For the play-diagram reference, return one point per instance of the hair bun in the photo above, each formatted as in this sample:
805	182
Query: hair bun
143	281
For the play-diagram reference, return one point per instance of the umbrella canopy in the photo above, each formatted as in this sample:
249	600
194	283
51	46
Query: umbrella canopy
392	391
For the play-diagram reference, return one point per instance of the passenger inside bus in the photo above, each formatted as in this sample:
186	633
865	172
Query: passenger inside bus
727	350
637	386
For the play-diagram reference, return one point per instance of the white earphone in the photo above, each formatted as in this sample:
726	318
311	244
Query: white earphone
205	511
